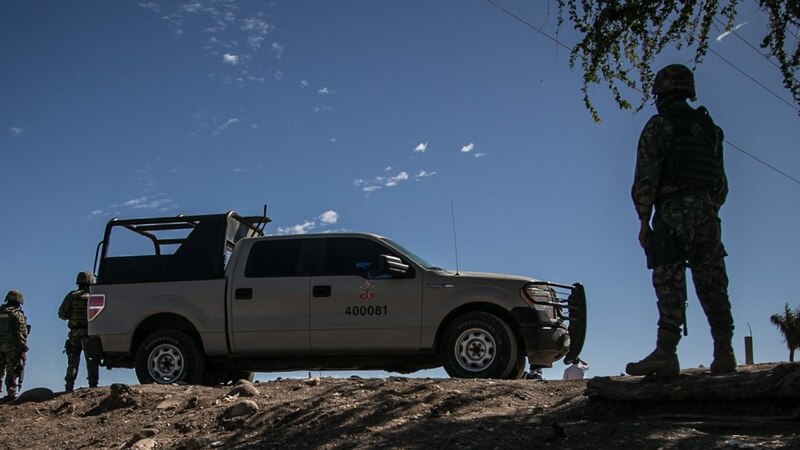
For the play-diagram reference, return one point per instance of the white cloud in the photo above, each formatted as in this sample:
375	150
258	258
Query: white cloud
325	219
480	155
424	174
240	170
97	212
325	91
370	188
153	202
16	131
151	5
277	50
421	147
255	25
278	75
255	41
329	217
388	168
332	140
297	229
394	181
230	122
322	108
230	59
468	148
727	33
303	84
135	201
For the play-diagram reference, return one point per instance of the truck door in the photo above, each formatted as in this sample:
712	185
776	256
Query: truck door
269	298
356	308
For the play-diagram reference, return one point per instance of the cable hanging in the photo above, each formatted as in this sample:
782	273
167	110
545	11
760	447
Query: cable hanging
760	161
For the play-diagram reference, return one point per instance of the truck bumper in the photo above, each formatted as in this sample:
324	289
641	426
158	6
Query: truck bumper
546	340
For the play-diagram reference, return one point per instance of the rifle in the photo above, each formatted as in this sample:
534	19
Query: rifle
19	372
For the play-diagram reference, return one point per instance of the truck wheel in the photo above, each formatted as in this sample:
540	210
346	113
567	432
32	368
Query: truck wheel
518	371
169	356
478	345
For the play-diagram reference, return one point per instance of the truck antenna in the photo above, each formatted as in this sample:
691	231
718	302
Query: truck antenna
455	239
264	221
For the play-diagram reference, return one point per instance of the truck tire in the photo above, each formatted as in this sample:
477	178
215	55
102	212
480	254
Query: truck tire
478	345
518	371
169	356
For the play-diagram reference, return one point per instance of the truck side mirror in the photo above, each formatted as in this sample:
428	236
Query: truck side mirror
392	265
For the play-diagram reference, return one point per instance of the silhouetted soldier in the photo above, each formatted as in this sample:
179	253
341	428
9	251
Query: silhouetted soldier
680	173
13	342
73	310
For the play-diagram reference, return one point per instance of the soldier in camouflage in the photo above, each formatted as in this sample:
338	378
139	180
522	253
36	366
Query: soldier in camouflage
680	173
73	310
13	342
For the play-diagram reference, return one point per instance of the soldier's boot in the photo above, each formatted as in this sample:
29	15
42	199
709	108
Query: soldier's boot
724	359
658	362
92	384
663	361
69	387
11	393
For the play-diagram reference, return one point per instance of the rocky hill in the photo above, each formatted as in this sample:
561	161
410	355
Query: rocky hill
755	408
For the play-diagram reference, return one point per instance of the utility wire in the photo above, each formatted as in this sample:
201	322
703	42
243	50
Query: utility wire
529	25
763	162
712	51
733	32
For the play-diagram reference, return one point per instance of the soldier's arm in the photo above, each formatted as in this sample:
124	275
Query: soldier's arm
650	154
722	194
22	330
64	309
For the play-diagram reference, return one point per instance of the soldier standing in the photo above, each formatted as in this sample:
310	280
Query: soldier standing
73	310
680	173
13	342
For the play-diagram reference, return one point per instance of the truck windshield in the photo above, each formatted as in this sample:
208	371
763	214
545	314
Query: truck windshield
410	255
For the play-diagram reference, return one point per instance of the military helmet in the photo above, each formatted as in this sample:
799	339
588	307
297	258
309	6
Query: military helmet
16	296
84	278
674	77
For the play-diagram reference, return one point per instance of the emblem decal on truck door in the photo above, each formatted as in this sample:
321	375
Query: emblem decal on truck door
366	293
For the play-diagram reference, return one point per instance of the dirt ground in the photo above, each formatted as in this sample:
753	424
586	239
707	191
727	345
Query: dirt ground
334	413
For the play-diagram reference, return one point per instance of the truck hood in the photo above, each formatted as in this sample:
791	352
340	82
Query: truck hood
482	275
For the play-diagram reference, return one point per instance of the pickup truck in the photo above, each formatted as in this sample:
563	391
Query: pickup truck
209	299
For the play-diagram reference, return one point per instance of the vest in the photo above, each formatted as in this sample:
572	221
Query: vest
694	158
8	327
77	317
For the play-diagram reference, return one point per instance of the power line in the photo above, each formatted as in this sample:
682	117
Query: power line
733	32
539	30
712	51
763	162
529	25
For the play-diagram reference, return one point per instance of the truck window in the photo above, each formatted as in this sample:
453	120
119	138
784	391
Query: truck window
352	257
276	258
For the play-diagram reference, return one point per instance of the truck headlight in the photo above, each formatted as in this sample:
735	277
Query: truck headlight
538	296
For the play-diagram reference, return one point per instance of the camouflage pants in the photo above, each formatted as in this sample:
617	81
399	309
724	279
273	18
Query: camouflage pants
73	348
696	227
10	360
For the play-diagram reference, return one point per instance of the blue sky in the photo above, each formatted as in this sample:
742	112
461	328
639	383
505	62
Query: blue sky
371	116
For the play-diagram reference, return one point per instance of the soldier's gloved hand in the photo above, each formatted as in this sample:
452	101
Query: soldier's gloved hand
644	232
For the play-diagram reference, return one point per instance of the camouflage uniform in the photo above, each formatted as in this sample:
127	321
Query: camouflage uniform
73	310
687	196
13	341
